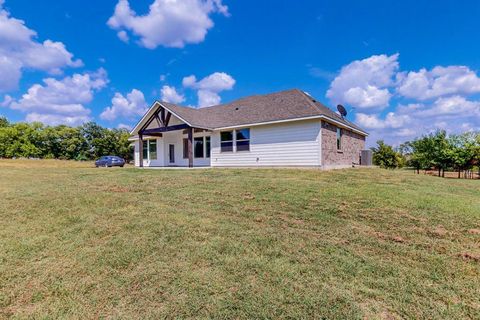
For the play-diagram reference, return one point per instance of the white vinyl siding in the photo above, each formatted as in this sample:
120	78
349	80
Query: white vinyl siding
284	144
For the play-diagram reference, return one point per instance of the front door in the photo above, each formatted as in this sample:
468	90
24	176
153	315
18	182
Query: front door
171	153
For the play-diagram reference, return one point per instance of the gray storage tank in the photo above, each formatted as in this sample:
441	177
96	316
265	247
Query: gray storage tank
366	158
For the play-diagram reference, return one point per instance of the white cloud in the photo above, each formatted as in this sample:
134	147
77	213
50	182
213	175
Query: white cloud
10	71
123	35
169	23
56	119
454	114
392	120
425	100
439	81
367	98
209	87
61	101
132	105
6	101
125	126
19	50
189	81
170	94
208	98
455	106
364	84
215	82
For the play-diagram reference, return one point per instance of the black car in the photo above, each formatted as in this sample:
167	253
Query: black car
110	161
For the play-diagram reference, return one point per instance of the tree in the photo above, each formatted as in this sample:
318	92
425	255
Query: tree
89	141
476	152
462	151
386	157
93	135
432	151
4	122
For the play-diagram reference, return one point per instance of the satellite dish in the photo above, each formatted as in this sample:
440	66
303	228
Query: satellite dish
342	110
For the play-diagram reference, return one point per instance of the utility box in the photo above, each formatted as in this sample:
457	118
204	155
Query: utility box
366	158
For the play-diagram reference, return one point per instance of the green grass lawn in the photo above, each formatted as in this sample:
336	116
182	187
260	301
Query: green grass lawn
80	242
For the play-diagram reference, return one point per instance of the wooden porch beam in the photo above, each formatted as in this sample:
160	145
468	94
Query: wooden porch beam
162	117
159	121
156	134
167	119
140	151
164	129
190	147
149	121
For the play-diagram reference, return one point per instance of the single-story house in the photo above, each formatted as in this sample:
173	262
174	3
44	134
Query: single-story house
283	129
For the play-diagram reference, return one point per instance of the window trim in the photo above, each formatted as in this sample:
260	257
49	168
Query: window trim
185	148
144	150
202	139
339	135
206	155
150	143
242	140
146	145
228	141
208	152
234	140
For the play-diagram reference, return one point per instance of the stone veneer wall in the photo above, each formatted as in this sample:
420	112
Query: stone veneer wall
352	144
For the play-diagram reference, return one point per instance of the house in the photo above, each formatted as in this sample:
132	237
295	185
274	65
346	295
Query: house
283	129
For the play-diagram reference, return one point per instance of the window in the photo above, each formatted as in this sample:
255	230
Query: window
243	140
226	141
198	147
339	138
201	147
152	149
145	149
207	146
185	148
149	149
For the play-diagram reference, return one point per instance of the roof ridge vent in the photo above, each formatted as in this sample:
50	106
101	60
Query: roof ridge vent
308	94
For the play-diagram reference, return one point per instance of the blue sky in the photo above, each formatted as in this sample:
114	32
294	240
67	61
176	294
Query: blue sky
402	68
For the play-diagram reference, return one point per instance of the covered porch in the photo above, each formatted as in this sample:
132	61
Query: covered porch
165	140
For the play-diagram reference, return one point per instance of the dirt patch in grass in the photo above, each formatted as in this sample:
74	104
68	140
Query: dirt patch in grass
248	196
469	256
439	232
474	231
383	236
118	189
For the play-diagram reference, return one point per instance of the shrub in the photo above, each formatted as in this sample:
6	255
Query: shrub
385	156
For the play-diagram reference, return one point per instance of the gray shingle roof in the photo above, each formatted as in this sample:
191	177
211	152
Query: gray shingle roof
284	105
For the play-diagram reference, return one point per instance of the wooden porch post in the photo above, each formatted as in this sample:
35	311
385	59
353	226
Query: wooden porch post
190	147
140	152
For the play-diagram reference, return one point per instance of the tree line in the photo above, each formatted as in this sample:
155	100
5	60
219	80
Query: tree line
435	151
86	142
